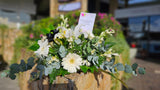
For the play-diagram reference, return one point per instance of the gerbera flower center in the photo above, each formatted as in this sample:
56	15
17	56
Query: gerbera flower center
72	61
64	32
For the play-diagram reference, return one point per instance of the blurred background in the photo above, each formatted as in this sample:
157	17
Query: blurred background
139	20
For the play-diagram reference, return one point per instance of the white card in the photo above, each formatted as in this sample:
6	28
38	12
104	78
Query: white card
86	21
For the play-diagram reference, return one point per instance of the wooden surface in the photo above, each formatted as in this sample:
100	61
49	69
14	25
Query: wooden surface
88	81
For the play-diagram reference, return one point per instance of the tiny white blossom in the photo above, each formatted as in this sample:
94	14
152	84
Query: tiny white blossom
85	62
110	31
109	53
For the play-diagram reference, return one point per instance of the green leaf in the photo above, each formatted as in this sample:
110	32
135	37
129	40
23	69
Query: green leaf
77	41
128	69
134	66
53	75
63	72
45	31
93	68
84	68
89	49
114	77
34	47
51	27
94	40
141	71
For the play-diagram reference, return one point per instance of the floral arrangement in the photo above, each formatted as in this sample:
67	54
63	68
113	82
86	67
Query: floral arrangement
67	50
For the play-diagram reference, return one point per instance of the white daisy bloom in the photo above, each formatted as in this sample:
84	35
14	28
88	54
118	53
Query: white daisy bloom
44	48
72	62
109	53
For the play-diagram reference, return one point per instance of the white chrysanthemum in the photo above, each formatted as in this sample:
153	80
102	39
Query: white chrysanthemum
44	48
72	62
109	53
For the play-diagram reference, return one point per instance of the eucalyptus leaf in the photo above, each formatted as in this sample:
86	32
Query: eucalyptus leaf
23	66
128	69
134	66
62	51
14	68
77	41
40	67
120	67
89	58
12	76
141	71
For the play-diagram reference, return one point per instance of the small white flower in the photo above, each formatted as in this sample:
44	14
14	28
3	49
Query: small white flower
50	59
85	62
44	48
93	51
110	31
91	36
72	62
109	53
77	31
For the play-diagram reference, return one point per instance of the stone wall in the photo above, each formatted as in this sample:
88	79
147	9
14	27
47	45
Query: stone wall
9	37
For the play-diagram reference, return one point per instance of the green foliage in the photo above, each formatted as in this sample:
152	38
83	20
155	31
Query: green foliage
86	68
128	69
16	68
3	27
62	51
141	71
34	47
56	72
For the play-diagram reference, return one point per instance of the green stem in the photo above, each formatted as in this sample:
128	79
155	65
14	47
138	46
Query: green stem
114	77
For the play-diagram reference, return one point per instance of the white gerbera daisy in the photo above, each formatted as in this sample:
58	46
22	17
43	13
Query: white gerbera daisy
72	62
44	48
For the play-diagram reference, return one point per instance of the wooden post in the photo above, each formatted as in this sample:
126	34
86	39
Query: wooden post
113	5
53	8
84	5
